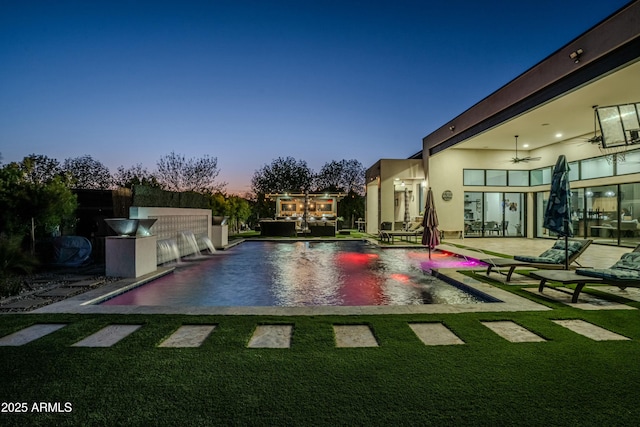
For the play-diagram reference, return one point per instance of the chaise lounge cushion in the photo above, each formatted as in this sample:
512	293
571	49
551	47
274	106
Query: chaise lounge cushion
627	268
555	255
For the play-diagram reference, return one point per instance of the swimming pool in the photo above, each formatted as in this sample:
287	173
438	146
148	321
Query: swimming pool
291	274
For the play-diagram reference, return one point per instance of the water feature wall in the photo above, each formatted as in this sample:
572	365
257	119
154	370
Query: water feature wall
171	222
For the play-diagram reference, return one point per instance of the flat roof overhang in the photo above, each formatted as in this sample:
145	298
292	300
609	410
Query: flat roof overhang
555	96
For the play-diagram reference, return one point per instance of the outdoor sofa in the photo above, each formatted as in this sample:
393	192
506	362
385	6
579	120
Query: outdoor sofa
322	228
551	259
624	273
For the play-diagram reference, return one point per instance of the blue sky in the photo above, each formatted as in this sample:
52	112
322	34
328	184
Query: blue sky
250	81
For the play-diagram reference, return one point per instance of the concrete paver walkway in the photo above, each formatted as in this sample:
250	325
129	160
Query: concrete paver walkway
107	336
513	332
354	336
435	334
271	336
30	333
585	301
590	330
188	336
280	336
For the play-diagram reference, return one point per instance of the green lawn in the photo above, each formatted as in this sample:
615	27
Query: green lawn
568	380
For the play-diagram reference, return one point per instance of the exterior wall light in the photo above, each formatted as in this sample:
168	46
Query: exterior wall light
575	55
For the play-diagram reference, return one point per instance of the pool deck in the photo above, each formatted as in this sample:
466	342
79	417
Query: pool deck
594	256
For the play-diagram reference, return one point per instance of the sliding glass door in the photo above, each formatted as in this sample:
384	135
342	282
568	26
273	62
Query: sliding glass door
494	214
608	214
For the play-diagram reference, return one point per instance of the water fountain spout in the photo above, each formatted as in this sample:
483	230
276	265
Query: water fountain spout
191	243
168	251
207	242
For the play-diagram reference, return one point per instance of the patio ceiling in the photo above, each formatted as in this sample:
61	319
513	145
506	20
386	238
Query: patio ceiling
570	115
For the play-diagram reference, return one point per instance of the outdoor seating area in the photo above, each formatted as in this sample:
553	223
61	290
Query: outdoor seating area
322	228
278	228
490	228
558	257
412	234
623	274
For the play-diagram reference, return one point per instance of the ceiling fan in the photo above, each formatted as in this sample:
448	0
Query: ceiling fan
517	159
595	139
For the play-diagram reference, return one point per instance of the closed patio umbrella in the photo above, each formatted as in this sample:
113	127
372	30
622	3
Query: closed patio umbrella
407	215
557	214
430	234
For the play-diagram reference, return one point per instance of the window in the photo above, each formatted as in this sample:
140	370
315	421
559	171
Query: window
541	176
519	178
596	168
631	163
496	177
574	171
473	177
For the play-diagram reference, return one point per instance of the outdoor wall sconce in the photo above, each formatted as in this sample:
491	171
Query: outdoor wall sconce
575	55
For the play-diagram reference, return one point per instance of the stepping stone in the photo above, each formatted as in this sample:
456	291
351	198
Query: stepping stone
435	334
590	330
59	292
271	336
354	336
40	281
107	336
628	293
75	278
188	336
27	303
513	332
83	283
585	301
30	333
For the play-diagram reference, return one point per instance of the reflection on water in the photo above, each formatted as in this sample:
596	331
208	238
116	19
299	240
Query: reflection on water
304	274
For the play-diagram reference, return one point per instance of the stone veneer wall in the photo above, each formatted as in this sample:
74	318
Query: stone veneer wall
173	221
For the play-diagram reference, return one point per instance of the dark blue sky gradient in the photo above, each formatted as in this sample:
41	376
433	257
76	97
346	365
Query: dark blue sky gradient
249	81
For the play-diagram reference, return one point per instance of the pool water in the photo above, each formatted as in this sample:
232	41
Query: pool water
349	273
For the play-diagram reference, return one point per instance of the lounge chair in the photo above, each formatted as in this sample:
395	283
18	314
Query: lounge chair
414	231
624	273
551	259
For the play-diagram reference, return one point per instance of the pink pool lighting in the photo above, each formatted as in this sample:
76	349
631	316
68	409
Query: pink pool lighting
443	259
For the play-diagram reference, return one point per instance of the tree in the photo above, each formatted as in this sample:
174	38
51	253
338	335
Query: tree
40	169
354	177
135	175
330	177
49	203
283	175
88	173
175	173
238	210
347	176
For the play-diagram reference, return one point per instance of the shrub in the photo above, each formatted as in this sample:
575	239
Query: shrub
13	260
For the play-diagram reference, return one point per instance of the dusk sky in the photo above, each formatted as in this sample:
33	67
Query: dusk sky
250	81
